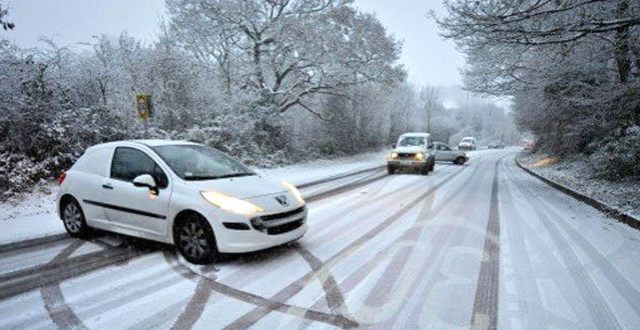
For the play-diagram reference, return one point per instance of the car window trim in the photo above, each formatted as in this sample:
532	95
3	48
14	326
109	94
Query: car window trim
113	156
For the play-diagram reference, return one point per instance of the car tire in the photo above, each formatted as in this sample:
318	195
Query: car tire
194	239
459	161
73	219
424	170
391	170
433	164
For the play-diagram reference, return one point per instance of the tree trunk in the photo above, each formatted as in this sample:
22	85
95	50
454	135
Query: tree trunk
623	61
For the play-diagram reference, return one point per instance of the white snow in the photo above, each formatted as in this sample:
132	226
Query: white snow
578	174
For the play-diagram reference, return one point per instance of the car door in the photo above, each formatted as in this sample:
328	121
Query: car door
444	153
136	208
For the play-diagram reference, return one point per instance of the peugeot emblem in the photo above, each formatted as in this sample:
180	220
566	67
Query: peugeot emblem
282	200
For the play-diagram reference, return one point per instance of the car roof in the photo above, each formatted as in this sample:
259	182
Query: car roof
156	143
415	134
146	142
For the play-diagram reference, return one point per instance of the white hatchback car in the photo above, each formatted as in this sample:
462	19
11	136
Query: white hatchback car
181	193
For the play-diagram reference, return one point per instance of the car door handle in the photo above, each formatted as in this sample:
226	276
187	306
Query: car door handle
107	186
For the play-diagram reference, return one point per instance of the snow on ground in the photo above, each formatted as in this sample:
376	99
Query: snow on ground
577	174
314	170
34	215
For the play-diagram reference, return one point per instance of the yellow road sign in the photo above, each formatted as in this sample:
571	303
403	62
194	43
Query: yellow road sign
143	105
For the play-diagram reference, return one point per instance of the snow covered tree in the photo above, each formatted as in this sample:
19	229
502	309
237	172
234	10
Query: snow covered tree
284	52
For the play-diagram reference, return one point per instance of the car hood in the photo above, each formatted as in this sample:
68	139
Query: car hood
466	143
408	150
243	187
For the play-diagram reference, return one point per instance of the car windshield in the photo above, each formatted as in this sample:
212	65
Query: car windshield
198	162
468	140
411	141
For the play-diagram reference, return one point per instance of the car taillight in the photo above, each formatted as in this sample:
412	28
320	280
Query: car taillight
62	177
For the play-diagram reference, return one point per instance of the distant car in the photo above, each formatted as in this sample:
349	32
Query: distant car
496	145
181	193
445	153
412	152
467	143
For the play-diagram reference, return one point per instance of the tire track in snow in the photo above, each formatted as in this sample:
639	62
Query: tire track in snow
485	306
333	296
599	311
294	288
625	288
59	311
517	243
258	301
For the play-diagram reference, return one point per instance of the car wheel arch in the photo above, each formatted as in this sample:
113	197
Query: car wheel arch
184	214
64	199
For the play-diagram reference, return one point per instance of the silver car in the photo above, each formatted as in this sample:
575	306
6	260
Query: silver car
445	153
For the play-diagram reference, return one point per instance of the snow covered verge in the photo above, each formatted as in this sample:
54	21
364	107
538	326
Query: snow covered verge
33	215
578	174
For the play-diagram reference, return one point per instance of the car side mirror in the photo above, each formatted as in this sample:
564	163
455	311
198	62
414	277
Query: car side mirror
146	180
393	146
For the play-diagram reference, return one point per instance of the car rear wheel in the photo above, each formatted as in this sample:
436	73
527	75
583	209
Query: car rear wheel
73	219
459	161
195	240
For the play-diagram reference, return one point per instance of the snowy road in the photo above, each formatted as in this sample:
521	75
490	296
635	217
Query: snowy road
480	245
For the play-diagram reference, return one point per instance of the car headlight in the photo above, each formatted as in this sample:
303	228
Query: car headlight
229	203
393	155
294	191
419	156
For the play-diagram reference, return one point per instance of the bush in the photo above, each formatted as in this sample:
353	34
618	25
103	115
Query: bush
619	155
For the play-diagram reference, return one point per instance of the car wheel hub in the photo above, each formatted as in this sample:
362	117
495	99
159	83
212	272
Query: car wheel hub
72	218
192	240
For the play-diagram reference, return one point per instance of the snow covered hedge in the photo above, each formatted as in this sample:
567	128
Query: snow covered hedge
42	150
619	155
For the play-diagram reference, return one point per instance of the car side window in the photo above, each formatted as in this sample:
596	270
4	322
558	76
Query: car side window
128	163
442	147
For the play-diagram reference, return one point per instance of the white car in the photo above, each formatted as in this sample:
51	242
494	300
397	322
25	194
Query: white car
180	193
412	152
467	143
444	153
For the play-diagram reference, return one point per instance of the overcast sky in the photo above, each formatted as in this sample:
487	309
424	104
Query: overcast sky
427	58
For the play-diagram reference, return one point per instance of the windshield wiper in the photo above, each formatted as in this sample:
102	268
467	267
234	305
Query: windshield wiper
235	175
201	177
215	177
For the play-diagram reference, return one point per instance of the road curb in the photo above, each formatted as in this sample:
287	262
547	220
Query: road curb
613	212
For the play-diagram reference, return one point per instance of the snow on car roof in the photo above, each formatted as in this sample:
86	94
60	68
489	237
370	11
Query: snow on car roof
155	143
415	134
147	142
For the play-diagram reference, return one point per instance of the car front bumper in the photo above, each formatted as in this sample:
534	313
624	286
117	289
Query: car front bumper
258	235
406	163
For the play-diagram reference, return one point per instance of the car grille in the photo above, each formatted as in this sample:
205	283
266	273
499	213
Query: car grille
285	228
280	223
283	214
406	155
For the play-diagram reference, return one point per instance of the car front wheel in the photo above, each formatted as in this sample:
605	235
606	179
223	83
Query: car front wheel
195	240
391	170
73	220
